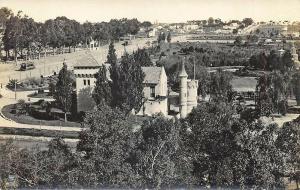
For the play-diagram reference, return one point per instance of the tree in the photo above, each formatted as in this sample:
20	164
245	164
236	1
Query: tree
210	21
141	57
220	88
161	37
106	145
64	90
264	101
114	75
235	31
228	152
204	79
12	35
238	41
158	153
85	99
130	84
288	141
247	21
296	86
287	61
169	37
102	90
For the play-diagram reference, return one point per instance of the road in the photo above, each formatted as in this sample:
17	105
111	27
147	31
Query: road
46	66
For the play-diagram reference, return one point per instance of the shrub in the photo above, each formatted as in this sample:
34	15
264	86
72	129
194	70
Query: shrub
12	82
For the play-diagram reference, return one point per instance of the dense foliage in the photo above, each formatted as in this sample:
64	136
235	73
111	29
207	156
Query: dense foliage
210	148
64	90
124	90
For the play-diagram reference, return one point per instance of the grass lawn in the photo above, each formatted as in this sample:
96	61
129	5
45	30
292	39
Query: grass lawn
27	119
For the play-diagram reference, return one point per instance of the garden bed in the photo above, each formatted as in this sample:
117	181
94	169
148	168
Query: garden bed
27	119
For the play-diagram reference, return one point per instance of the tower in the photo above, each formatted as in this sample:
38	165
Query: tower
295	56
183	91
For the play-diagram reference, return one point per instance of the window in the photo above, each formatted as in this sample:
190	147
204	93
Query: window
89	82
152	91
84	82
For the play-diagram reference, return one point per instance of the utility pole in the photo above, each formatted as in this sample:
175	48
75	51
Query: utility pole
194	67
15	90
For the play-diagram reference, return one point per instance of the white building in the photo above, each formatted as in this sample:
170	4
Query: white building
295	56
84	71
152	33
189	27
155	91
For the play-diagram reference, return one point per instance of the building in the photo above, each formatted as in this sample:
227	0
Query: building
152	33
93	44
155	91
155	85
156	94
295	56
187	93
84	71
189	27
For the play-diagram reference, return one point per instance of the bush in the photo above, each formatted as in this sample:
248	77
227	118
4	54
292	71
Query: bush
282	107
40	91
12	82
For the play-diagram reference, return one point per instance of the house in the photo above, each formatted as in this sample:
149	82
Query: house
189	27
155	91
93	44
152	33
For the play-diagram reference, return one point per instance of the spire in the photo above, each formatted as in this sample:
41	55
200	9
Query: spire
182	72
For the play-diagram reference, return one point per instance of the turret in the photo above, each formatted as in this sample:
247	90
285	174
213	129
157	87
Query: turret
183	91
295	56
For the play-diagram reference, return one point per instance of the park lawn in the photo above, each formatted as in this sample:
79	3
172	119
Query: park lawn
27	119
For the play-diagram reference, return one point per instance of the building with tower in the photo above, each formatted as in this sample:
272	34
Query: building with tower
156	98
188	89
295	56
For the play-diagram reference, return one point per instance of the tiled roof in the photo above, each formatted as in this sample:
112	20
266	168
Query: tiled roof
87	60
152	74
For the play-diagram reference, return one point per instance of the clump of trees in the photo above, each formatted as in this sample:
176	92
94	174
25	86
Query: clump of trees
26	37
272	61
210	148
125	87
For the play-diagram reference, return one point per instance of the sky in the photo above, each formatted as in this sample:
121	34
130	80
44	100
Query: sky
166	11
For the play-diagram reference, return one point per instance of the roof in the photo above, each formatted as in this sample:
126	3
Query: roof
152	74
87	60
182	72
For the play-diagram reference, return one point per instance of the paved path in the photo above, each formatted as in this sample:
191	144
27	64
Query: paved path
31	138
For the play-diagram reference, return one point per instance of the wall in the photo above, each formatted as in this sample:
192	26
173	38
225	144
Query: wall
152	107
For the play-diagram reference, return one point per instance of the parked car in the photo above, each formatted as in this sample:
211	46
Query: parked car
27	66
